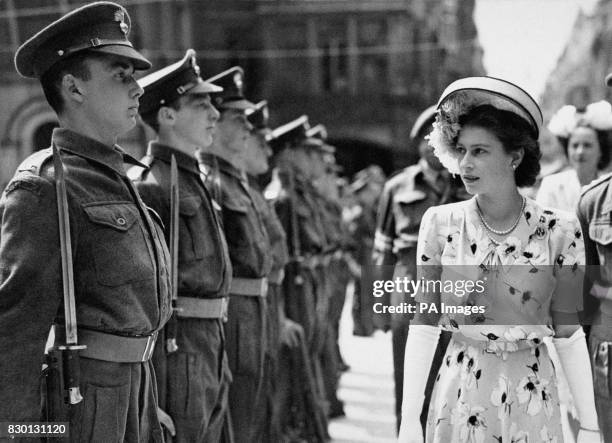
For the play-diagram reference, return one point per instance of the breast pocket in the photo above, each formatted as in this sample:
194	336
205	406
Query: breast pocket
600	232
191	245
120	251
237	223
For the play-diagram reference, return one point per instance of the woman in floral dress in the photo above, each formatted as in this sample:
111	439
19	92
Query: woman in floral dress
497	383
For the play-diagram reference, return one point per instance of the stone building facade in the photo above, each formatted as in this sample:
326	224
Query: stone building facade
364	68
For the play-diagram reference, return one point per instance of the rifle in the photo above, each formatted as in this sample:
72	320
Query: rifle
295	283
299	309
62	372
315	417
172	325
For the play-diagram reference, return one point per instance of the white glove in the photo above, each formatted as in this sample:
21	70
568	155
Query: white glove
420	350
589	437
574	357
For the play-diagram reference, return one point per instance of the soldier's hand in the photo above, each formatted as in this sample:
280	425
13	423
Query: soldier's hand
354	267
166	421
290	333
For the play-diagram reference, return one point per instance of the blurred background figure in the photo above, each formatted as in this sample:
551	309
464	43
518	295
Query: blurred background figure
584	135
365	191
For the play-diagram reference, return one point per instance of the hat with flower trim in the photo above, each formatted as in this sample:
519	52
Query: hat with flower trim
463	95
101	27
596	115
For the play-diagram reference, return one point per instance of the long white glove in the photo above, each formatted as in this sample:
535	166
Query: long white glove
574	357
420	350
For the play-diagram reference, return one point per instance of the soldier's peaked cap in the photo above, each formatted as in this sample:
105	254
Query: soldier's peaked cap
168	84
289	133
316	137
101	27
423	122
232	97
319	131
259	116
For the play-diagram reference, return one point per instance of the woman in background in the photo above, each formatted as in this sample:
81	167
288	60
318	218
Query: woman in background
584	136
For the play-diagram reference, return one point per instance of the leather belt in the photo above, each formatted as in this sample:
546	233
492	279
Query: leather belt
192	307
111	347
254	287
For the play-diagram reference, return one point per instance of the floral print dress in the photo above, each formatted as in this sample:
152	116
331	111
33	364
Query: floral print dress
497	382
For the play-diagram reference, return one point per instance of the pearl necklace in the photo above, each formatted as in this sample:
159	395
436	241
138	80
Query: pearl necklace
495	231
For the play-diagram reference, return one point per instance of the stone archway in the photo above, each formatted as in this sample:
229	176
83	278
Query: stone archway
23	133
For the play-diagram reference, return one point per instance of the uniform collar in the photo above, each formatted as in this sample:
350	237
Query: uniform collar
222	164
430	175
165	152
111	156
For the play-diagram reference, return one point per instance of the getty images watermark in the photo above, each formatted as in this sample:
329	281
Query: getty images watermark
405	285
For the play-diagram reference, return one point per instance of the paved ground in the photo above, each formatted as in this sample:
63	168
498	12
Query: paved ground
366	389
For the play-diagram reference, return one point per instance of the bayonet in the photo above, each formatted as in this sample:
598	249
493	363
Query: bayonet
171	328
70	348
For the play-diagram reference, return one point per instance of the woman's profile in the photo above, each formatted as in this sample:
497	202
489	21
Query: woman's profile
497	383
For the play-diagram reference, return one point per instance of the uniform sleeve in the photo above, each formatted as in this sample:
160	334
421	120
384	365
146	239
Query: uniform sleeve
429	265
30	292
568	268
590	303
382	253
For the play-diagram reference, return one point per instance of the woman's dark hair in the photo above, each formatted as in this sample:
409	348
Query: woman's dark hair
514	133
603	137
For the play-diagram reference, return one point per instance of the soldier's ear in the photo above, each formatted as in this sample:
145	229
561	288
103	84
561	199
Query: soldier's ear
72	88
166	116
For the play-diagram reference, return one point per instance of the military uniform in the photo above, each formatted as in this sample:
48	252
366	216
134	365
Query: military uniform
121	283
405	198
120	261
193	380
594	210
305	289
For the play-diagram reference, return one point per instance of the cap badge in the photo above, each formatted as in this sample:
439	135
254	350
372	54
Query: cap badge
238	80
120	17
194	65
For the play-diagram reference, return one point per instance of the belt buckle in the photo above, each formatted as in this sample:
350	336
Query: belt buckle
224	308
149	347
264	286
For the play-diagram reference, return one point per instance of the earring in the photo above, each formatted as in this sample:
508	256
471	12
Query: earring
513	165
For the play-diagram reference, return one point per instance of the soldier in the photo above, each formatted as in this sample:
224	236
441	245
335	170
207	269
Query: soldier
594	209
85	64
177	105
406	196
366	189
335	273
305	301
281	330
249	249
